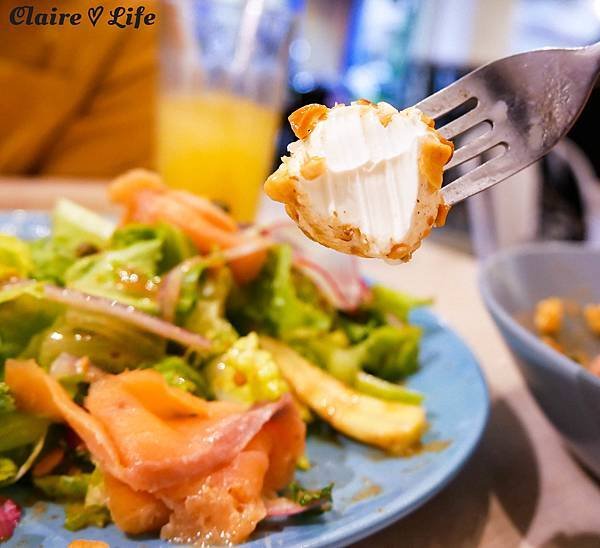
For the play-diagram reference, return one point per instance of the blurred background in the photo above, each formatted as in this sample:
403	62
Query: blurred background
203	96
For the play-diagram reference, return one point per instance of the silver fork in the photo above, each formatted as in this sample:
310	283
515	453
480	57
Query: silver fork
530	99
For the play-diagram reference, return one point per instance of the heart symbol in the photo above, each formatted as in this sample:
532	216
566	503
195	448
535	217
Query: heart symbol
94	14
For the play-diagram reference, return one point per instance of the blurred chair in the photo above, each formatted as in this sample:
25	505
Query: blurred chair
507	214
588	184
510	213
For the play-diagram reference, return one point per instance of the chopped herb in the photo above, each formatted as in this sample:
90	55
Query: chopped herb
317	499
8	471
79	516
7	402
64	487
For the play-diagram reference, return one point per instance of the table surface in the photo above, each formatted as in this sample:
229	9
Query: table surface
521	487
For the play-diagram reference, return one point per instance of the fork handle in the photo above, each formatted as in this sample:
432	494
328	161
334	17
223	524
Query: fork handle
532	100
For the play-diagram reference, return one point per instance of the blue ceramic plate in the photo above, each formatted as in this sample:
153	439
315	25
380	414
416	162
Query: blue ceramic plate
372	489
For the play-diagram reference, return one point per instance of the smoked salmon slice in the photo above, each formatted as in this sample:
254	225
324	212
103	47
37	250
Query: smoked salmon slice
134	512
148	200
200	470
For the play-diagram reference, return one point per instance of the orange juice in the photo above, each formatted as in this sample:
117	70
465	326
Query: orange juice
217	144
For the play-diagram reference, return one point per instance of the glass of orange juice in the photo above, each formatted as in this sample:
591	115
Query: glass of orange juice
224	78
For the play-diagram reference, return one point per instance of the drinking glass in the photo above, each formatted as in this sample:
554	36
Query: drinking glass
224	67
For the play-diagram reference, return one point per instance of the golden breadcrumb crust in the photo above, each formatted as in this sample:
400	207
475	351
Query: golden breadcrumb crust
435	152
304	120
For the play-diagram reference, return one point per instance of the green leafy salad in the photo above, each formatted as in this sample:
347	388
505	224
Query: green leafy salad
95	299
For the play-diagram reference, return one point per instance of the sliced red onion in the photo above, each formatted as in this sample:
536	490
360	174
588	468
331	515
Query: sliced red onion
285	232
173	280
10	515
128	314
249	247
170	289
37	449
335	273
325	282
66	365
282	507
18	284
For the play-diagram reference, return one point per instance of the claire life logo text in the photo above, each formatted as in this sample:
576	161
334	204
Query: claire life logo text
120	17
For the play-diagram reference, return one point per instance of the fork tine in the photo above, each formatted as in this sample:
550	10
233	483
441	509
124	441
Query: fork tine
472	118
484	176
474	148
529	114
445	100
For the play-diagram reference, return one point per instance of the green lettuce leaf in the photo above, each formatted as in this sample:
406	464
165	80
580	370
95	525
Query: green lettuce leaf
7	402
284	304
387	301
208	290
96	494
271	304
15	258
22	316
375	343
388	352
79	516
8	471
175	245
190	291
109	343
19	429
360	326
62	487
50	260
246	374
177	372
76	232
128	275
10	292
74	226
84	495
17	461
385	390
391	352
